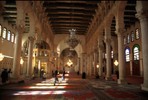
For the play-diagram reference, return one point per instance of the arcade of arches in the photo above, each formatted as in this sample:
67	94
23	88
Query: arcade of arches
111	35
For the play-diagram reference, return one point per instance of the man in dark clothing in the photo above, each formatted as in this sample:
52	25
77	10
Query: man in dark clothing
4	76
56	77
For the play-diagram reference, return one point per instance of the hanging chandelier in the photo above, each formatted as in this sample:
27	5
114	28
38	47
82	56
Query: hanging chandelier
72	41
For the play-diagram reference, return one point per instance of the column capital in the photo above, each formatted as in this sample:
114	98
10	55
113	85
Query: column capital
120	31
142	14
31	38
20	28
100	47
108	40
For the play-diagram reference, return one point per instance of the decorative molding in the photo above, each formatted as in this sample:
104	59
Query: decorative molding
30	38
142	14
20	28
120	31
108	41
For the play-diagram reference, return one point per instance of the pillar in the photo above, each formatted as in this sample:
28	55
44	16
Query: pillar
30	55
17	52
89	65
100	59
108	59
142	15
20	23
108	52
94	62
121	66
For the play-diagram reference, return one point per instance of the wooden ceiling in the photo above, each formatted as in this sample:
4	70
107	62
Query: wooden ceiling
67	14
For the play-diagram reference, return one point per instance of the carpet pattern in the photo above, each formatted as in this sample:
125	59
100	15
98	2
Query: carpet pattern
72	88
120	94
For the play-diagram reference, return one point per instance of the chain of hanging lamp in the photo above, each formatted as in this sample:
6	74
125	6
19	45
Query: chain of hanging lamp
72	41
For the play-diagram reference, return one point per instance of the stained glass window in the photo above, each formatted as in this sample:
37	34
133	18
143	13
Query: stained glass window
136	53
132	36
8	36
4	33
137	33
0	30
127	54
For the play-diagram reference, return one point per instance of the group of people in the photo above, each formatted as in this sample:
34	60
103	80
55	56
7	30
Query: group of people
55	74
5	75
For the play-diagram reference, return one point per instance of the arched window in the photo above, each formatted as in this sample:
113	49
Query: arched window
127	54
9	36
4	33
132	36
128	38
137	34
136	52
0	30
12	37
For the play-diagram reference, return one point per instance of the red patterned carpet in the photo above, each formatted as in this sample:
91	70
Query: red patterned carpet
72	88
120	94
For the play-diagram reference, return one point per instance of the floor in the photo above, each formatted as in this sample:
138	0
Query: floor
72	88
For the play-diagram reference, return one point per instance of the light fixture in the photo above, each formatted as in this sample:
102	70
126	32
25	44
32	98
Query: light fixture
69	63
1	56
97	66
116	63
72	41
21	61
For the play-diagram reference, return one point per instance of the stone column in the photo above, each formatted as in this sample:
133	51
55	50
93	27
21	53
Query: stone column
131	65
82	62
79	64
142	15
17	52
141	64
108	59
87	64
121	79
115	53
30	55
108	51
20	23
90	66
94	62
100	60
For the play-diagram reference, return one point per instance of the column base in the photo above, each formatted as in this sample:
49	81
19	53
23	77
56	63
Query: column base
101	77
121	81
108	78
143	87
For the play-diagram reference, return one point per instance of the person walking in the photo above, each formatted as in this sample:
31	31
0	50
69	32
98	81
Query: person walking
56	77
63	75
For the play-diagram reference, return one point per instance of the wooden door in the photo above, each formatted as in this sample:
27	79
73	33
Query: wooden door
136	68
